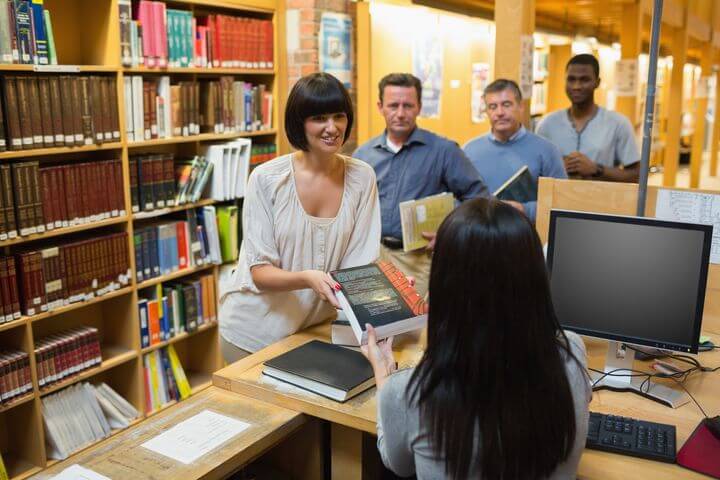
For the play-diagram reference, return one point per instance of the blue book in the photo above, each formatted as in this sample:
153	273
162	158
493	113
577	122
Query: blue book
23	30
154	252
41	54
137	242
169	310
144	330
164	320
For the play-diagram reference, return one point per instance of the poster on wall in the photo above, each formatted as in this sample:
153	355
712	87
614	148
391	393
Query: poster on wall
626	76
526	65
427	59
335	48
479	80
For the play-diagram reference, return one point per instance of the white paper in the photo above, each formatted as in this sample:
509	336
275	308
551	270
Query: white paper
526	65
191	439
76	472
693	207
626	75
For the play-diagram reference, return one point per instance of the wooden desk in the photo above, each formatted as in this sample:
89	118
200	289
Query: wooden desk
122	457
358	414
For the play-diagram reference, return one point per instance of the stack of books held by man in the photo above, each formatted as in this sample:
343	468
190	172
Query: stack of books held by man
520	187
329	370
379	294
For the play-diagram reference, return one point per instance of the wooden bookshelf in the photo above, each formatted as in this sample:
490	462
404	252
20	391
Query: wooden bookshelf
87	38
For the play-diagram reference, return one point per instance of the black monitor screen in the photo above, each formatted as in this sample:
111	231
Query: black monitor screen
636	280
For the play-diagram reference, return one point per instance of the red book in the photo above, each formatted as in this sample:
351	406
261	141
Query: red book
182	241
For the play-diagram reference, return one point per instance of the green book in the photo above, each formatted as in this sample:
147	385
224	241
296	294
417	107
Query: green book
3	471
227	218
52	53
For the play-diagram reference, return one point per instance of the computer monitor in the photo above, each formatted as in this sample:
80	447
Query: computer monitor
630	280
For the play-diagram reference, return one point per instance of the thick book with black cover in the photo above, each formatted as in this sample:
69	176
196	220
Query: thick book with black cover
323	368
520	187
381	295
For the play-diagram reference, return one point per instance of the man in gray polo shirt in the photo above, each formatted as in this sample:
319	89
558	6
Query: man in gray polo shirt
412	163
596	143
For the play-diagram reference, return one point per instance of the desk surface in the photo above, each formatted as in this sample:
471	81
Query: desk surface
122	456
359	412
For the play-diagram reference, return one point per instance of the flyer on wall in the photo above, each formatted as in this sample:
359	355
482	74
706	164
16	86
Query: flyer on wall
427	58
479	80
335	48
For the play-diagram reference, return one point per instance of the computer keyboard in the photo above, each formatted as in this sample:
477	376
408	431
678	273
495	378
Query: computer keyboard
629	436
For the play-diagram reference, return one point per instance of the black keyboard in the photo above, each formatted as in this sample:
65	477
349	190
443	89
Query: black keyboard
629	436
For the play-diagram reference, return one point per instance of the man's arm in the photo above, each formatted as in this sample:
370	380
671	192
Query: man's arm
577	163
461	177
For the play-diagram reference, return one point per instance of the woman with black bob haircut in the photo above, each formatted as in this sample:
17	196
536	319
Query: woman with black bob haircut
304	214
501	391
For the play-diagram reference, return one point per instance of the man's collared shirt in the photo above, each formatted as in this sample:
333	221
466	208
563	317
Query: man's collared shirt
497	161
608	138
427	164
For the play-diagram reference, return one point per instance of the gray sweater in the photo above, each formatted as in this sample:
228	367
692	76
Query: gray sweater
404	442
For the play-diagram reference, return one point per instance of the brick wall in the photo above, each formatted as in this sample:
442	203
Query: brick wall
303	60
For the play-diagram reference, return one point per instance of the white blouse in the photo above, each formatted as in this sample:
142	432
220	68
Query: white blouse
277	231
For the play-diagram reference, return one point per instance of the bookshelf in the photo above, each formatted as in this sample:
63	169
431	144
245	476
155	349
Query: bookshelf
87	39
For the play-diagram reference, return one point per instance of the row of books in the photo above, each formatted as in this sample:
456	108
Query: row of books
261	153
66	354
83	414
26	34
155	36
176	308
15	377
164	248
234	106
159	181
165	378
35	199
58	111
157	108
40	280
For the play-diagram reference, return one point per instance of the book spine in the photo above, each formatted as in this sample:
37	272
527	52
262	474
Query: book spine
112	101
12	113
47	120
125	15
35	113
24	112
8	200
55	104
77	110
86	112
106	108
40	35
52	51
23	30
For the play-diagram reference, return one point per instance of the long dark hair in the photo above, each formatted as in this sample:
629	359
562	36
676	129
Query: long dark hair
492	371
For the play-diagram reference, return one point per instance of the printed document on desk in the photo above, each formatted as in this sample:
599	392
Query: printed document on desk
191	439
76	472
692	207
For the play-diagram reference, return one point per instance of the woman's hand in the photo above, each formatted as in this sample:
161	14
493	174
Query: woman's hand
323	284
380	356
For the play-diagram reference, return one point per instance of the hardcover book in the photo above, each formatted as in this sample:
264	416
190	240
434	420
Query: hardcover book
381	295
520	187
320	367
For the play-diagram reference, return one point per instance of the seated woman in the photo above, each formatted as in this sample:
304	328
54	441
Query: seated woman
305	214
501	391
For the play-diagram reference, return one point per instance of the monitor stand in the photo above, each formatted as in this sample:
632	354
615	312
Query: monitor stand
620	358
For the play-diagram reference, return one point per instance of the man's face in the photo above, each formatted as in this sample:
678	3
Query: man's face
504	111
400	106
580	83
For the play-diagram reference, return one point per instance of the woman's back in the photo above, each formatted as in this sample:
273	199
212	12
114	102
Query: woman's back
405	442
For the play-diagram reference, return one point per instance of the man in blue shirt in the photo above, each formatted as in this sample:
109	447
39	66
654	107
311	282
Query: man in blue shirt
596	143
508	146
412	163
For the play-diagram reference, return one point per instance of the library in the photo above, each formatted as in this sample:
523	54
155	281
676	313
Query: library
359	239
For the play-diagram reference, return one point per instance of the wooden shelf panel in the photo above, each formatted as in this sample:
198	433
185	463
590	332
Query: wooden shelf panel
38	152
203	137
112	357
180	337
158	410
178	208
75	306
174	276
65	231
200	71
18	401
16	67
20	322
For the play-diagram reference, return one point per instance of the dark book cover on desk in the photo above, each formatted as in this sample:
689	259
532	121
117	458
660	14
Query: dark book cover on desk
520	187
320	367
379	294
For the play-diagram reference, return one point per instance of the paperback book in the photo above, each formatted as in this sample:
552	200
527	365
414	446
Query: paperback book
379	294
520	187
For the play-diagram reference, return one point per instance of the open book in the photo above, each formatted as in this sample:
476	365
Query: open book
520	187
423	215
379	294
